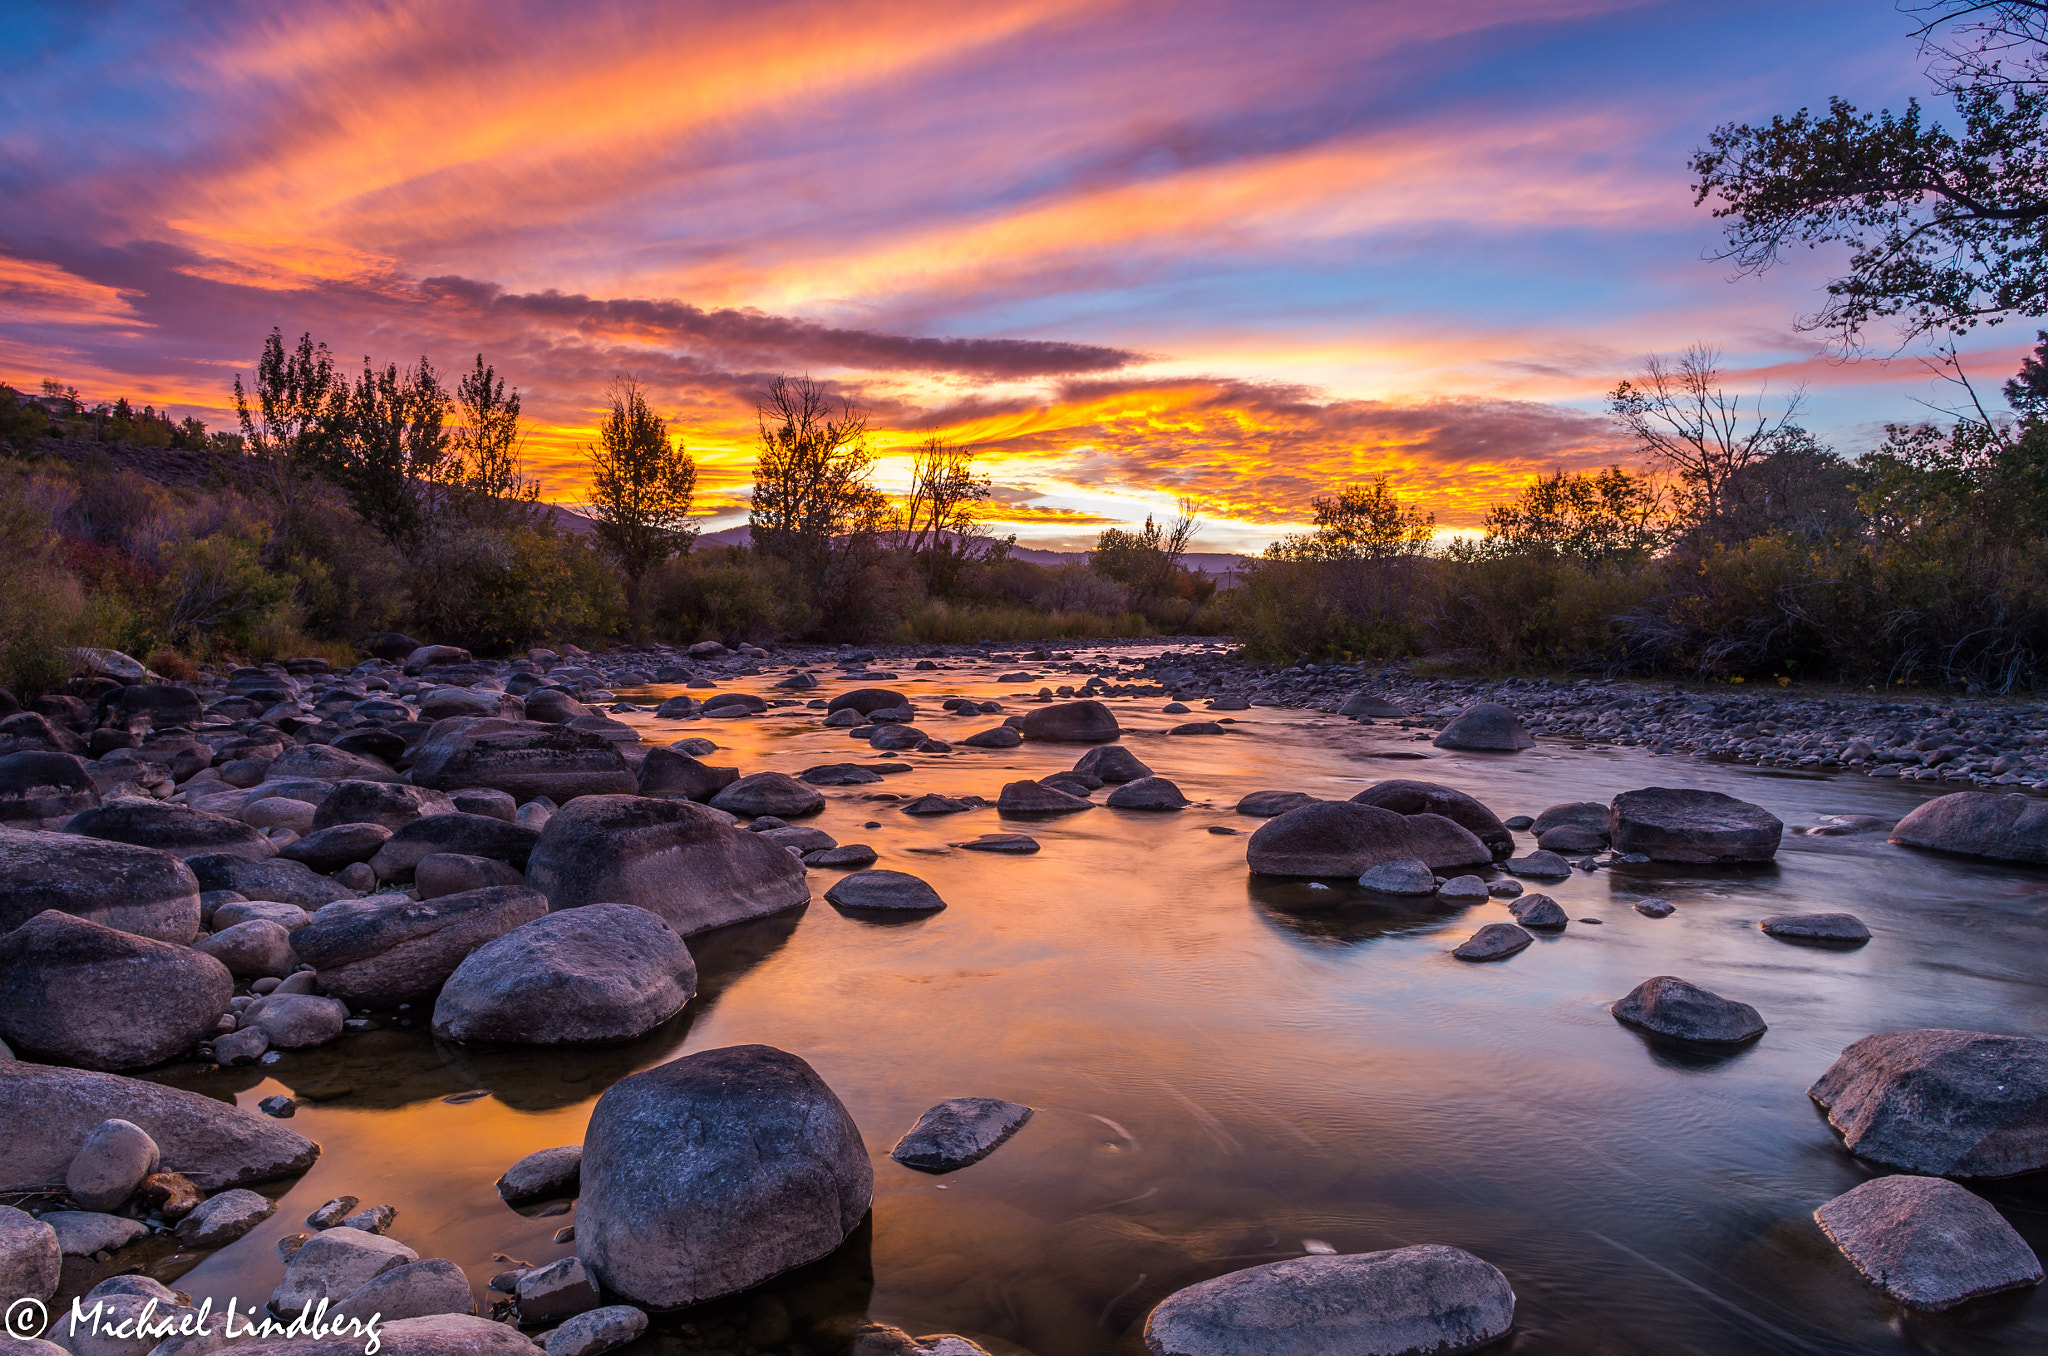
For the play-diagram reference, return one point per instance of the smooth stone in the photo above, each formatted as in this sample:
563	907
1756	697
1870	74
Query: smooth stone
110	1165
803	841
1267	804
299	1021
1432	798
891	890
862	700
1013	843
1669	1006
957	1132
231	912
1343	838
846	855
603	972
596	1331
1366	704
1080	722
466	834
220	1220
1587	814
244	1046
256	949
333	1264
1945	1103
1000	737
1495	941
1414	1301
75	992
1674	824
432	1335
1147	793
932	803
39	784
2006	828
139	890
31	1260
388	804
333	1212
1112	763
1572	838
485	800
543	1174
1404	877
675	773
1198	727
838	774
560	1289
389	949
328	850
216	1144
1927	1242
1035	798
1538	911
1655	908
176	829
432	1285
680	860
81	1233
771	1175
453	873
1486	727
524	761
1816	927
285	881
1541	865
769	793
1462	890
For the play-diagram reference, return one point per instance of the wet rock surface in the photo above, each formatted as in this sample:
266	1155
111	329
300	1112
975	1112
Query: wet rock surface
957	1132
605	972
1682	1011
1927	1242
1941	1102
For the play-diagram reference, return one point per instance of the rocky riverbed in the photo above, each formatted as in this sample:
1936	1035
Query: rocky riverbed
1030	999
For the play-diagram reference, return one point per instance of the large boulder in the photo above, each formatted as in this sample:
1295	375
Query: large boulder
325	763
1678	824
432	1285
470	835
388	949
41	784
338	845
866	699
1112	763
30	1260
74	992
1487	727
391	804
1682	1011
1415	1301
332	1264
769	793
1084	722
607	972
176	829
2011	828
216	1144
1431	798
531	759
1927	1242
1944	1103
279	878
715	1172
253	949
671	772
1342	838
135	889
672	857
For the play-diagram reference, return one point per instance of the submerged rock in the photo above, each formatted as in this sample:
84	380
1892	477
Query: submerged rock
1408	876
1495	941
1540	865
957	1132
1000	737
605	972
75	992
1671	1007
1013	843
1816	927
1268	804
896	891
1538	911
1927	1242
1033	798
714	1172
2009	828
1415	1301
1945	1103
1675	824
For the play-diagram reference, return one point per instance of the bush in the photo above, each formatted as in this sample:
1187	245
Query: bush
730	594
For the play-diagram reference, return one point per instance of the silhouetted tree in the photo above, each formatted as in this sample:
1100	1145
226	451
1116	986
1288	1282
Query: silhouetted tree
1681	415
813	504
297	398
488	477
641	484
1607	515
385	445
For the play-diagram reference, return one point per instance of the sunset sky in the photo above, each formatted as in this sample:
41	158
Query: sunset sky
1243	252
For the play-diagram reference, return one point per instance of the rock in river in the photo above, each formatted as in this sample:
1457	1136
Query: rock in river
2011	828
1112	763
432	1285
1488	726
1083	722
1032	798
543	1174
597	1331
1538	911
74	992
674	773
895	891
866	699
216	1144
957	1132
1267	804
605	972
1431	798
1927	1242
1945	1103
222	1219
1414	1301
1669	1006
715	1172
1407	876
135	889
675	858
528	760
388	949
1816	927
769	793
332	1264
1147	793
1674	824
1342	838
1495	941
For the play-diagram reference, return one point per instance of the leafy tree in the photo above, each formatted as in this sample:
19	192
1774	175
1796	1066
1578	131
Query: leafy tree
813	504
1146	561
386	444
641	484
21	423
1595	518
487	473
939	516
297	396
1680	414
1944	227
1360	523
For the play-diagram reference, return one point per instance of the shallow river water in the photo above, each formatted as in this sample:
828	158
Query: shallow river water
1227	1069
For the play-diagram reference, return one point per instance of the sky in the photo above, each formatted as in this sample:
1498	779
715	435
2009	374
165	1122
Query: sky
1129	252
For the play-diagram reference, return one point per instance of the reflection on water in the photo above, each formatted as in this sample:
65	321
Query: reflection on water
1227	1067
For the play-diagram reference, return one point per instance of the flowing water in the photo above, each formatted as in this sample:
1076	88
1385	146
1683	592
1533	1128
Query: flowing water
1229	1071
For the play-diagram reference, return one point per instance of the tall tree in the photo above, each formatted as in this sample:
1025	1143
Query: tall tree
1365	523
1944	228
1681	415
297	395
485	447
1146	561
939	514
811	478
1594	518
641	484
386	446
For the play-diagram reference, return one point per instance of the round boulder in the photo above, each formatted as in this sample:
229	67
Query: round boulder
388	949
1432	798
2011	828
74	992
1671	1007
1495	941
715	1172
42	784
1927	1242
1147	793
1674	824
1083	722
527	760
1268	804
769	793
606	972
866	699
1112	763
136	889
890	891
1487	727
1415	1301
1843	928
